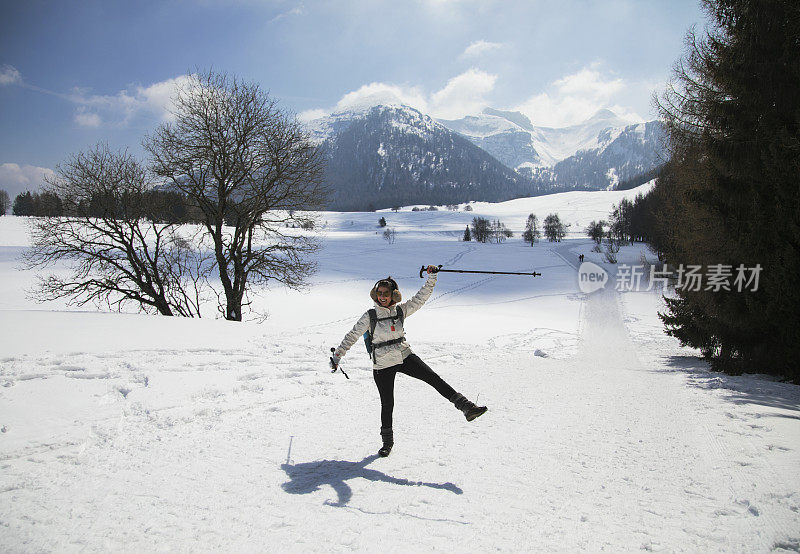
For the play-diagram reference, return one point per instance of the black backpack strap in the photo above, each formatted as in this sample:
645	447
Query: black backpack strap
375	346
373	320
399	315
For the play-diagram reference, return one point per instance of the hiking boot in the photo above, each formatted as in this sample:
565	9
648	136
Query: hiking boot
388	441
470	410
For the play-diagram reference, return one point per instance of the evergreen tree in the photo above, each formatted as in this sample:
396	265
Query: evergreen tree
48	204
532	232
467	235
619	227
23	204
733	122
5	202
481	229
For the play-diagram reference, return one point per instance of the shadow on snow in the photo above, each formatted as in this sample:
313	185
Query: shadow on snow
756	389
308	477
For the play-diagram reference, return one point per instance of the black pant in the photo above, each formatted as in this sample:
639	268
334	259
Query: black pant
413	367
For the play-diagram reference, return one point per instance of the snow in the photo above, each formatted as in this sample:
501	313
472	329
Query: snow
482	126
552	144
613	178
143	433
404	118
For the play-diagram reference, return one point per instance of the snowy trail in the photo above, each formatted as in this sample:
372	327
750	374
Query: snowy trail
644	419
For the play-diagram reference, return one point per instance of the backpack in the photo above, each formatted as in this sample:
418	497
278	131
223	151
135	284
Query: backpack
373	321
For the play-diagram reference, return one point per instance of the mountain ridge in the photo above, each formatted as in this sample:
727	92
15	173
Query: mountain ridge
387	155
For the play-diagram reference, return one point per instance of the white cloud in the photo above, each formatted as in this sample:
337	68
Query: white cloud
158	97
480	47
153	101
462	95
375	94
9	75
299	10
588	82
310	115
576	97
15	179
87	119
568	100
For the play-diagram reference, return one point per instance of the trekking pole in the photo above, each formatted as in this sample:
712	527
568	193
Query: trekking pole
425	268
335	366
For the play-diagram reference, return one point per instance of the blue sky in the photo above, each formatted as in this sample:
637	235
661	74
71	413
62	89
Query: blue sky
75	73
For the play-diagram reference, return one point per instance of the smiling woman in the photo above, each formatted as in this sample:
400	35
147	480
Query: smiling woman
383	330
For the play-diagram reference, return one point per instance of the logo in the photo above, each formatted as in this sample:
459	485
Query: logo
591	277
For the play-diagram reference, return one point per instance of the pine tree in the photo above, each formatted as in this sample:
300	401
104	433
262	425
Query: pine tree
532	232
5	202
467	235
23	204
733	122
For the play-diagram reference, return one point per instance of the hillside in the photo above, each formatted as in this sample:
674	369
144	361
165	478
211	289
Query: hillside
395	156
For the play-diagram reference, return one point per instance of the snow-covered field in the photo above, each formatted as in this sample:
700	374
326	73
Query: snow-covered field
144	433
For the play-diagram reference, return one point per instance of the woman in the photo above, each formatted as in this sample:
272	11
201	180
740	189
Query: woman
391	353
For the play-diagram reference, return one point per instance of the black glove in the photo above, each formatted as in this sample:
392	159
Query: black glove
334	360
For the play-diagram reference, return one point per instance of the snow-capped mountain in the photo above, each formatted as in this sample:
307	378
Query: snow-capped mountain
621	154
395	155
596	154
515	141
380	156
508	136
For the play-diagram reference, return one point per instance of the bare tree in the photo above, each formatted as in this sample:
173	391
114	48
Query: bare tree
499	232
5	202
247	164
612	248
389	235
116	254
596	231
554	229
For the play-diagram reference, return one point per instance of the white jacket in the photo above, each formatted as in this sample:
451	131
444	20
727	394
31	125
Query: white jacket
393	354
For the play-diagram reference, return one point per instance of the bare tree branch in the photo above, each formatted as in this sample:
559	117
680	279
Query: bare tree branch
115	251
251	170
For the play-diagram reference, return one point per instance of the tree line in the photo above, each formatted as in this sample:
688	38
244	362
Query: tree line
163	206
728	196
485	230
730	192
